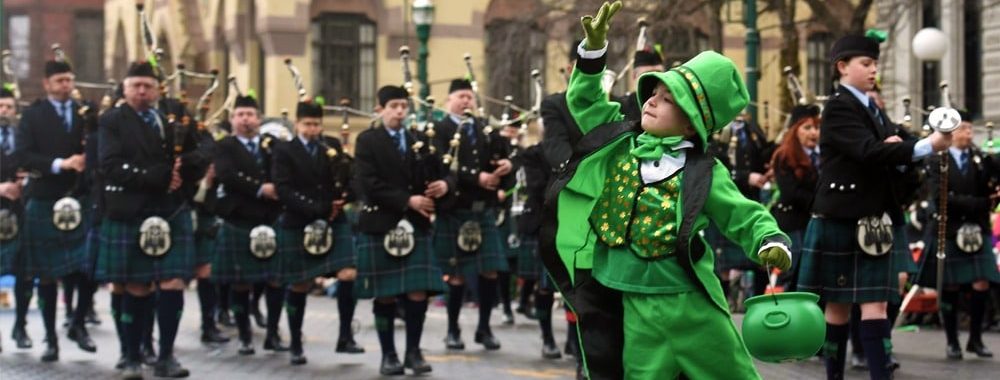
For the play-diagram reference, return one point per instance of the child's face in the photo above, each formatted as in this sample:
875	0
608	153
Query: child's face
662	117
859	72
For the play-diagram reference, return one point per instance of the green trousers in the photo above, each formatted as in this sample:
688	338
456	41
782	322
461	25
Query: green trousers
667	335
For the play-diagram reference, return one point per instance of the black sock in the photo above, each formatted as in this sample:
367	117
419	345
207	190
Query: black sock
70	282
384	314
834	351
168	314
222	298
487	299
258	291
875	338
503	280
527	288
416	314
275	299
149	320
345	308
207	300
241	304
572	337
295	306
977	311
855	322
543	309
455	293
133	319
47	304
24	288
116	317
86	288
949	310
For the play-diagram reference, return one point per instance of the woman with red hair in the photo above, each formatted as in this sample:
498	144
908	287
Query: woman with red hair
796	168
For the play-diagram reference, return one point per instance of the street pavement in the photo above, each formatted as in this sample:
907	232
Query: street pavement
921	353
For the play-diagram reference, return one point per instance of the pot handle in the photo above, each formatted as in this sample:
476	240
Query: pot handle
776	319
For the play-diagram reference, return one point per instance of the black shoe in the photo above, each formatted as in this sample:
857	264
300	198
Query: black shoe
258	318
892	363
246	348
170	368
92	318
453	341
132	371
487	339
979	349
550	350
213	335
858	361
349	346
390	365
79	335
122	362
508	318
298	358
51	353
953	351
415	362
571	348
225	319
526	312
148	356
20	336
273	343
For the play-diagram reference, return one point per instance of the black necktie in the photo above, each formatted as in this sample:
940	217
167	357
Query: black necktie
5	139
963	162
874	109
149	117
470	130
397	138
65	116
814	157
255	152
311	147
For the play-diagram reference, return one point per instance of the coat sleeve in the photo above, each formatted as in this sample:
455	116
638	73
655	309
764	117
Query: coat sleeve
555	134
740	220
793	188
844	130
120	169
957	203
27	147
370	183
228	174
586	99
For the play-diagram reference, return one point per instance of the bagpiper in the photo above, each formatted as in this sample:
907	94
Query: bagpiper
465	233
56	212
969	259
398	178
146	237
856	228
248	203
314	236
12	215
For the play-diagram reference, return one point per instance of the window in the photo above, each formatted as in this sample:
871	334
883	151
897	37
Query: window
20	45
344	58
973	59
817	63
88	52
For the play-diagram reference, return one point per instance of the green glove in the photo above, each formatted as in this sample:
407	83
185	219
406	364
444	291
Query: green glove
596	30
776	257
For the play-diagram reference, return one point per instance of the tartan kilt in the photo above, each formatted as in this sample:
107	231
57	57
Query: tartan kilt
454	261
793	273
504	231
382	275
119	258
233	262
48	252
834	267
205	236
960	268
529	265
296	265
728	255
8	254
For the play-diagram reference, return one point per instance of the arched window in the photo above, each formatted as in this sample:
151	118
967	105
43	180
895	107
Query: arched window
344	58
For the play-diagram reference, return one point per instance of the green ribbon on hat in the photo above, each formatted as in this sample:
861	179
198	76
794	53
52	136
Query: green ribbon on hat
321	101
9	87
653	148
251	93
877	35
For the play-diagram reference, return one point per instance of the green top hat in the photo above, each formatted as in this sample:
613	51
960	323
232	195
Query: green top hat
708	88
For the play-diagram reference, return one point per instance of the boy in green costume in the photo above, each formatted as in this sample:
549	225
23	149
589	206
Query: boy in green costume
645	189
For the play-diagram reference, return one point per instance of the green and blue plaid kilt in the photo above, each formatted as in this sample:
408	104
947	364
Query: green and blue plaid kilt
504	230
834	267
233	262
529	265
790	276
8	254
48	252
728	255
383	275
205	236
489	257
960	268
296	265
119	258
